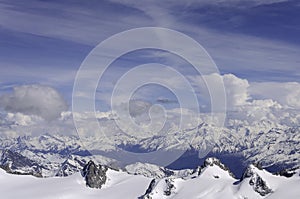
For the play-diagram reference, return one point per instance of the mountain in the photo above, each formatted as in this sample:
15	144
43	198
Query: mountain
257	178
16	163
148	170
72	165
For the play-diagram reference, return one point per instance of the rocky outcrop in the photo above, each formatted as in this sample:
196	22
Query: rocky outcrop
149	190
169	187
94	175
167	184
256	181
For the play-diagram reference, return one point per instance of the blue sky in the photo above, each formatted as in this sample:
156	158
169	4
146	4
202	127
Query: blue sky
44	42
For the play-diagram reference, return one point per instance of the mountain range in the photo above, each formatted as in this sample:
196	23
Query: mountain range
274	147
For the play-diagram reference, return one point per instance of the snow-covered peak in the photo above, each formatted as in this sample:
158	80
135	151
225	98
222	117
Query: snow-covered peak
157	172
258	179
148	170
255	169
70	166
212	161
213	164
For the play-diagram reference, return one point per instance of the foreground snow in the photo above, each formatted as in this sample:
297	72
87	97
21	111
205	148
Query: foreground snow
214	183
210	181
119	185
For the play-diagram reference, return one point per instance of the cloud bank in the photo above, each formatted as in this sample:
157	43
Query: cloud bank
286	93
37	100
248	103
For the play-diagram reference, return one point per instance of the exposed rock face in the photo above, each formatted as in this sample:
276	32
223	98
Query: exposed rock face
94	175
149	190
167	190
169	187
256	181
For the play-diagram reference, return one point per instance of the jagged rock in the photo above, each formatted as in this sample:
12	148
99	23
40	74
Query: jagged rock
256	181
167	184
258	165
170	187
94	175
149	190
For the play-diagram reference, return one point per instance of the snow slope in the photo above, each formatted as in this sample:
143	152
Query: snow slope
211	181
214	182
119	185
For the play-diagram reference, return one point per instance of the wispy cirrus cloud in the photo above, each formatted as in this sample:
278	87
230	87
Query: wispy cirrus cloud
74	21
242	48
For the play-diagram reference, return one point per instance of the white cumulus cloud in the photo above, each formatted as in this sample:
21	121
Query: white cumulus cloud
286	93
236	88
38	100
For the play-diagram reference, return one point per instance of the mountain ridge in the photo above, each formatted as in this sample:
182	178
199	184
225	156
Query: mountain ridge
276	148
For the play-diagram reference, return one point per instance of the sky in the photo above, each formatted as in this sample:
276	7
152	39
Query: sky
255	45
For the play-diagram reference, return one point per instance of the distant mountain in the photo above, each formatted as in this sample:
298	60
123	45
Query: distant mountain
16	163
275	147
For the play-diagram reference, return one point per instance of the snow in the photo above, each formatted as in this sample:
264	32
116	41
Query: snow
282	187
148	170
212	183
264	141
119	185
